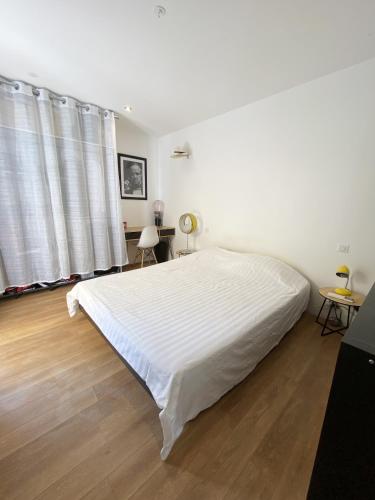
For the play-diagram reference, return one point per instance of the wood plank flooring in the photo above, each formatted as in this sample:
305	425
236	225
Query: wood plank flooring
74	423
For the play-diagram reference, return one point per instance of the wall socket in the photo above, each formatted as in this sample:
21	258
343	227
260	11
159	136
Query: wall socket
343	247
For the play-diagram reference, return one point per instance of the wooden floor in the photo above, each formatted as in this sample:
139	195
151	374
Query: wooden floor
75	423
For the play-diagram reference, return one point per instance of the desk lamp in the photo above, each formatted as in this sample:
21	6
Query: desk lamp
343	272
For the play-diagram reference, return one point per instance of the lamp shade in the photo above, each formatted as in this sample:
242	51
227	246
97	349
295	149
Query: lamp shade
343	271
158	206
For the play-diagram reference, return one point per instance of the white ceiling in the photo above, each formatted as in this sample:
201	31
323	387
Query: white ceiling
203	58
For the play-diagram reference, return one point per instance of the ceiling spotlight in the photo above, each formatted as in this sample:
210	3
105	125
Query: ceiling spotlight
128	108
159	11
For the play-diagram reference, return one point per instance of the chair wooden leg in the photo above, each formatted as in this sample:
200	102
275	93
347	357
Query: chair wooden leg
153	253
143	254
136	256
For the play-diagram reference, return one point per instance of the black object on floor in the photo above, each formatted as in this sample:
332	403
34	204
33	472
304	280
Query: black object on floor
161	251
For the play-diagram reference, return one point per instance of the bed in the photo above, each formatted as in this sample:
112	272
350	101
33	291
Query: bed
194	327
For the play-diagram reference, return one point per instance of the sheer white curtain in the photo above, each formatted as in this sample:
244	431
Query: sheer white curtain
59	192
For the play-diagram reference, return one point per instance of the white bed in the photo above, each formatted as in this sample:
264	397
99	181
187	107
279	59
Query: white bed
194	327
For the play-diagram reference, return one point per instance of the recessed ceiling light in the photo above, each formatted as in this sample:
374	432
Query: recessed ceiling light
128	108
159	11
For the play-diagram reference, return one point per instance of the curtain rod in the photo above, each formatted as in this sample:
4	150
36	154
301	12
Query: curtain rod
52	95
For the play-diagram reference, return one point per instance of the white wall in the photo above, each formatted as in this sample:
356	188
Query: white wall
134	141
290	176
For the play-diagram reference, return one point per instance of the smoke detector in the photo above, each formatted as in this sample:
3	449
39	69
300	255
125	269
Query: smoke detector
159	11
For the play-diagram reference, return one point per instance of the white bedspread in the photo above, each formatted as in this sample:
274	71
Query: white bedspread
194	327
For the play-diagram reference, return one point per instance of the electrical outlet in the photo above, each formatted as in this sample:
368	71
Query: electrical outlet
343	247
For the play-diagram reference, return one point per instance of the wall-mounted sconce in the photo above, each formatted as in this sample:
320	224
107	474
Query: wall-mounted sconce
180	153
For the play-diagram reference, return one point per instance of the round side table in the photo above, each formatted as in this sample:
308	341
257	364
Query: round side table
356	301
184	252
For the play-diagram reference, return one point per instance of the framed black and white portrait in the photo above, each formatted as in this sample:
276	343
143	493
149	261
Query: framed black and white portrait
133	177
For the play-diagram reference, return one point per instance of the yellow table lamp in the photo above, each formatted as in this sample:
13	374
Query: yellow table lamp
343	272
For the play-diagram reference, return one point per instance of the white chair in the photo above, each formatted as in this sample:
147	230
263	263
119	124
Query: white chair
149	238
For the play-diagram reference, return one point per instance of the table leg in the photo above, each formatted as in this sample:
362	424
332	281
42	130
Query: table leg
325	326
323	334
348	317
170	248
321	309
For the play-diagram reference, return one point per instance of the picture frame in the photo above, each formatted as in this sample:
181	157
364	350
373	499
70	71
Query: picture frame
133	177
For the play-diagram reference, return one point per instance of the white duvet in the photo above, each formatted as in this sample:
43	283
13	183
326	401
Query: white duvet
194	327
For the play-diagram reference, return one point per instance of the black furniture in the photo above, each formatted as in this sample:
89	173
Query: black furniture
161	251
166	234
134	233
344	466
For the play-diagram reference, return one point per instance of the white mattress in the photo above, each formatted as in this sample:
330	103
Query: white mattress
194	327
